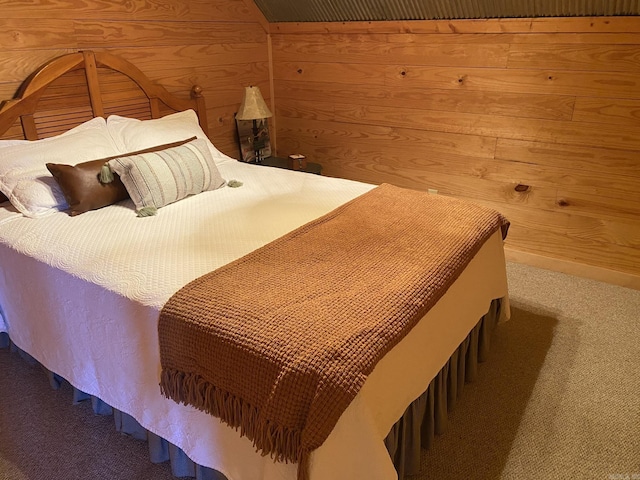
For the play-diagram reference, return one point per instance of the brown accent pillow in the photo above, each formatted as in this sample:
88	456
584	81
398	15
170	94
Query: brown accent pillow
82	188
3	198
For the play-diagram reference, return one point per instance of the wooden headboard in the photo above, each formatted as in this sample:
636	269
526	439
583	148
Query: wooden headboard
77	87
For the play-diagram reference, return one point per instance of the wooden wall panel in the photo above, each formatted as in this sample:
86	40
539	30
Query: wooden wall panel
16	65
494	126
612	111
31	33
164	10
539	118
552	107
229	58
325	48
577	157
144	34
517	80
220	45
513	39
598	58
423	143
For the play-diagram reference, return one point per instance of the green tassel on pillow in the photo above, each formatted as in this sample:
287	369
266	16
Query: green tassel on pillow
147	212
234	183
106	175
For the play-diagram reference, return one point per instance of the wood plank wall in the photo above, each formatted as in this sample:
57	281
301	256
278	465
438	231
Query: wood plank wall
220	45
537	118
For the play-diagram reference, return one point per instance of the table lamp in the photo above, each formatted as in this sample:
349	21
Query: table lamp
253	107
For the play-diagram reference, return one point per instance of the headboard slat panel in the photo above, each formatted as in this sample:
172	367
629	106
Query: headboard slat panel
122	96
141	111
49	124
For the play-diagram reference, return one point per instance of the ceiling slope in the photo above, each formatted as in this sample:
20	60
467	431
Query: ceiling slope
380	10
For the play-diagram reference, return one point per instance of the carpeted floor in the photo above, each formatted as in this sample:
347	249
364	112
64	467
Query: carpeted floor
33	446
559	398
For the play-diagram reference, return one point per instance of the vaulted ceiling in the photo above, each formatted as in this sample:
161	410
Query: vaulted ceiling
372	10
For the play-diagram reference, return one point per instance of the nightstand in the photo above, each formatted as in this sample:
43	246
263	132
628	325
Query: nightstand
279	162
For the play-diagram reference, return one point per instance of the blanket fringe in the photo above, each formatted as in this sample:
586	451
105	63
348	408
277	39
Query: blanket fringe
303	465
282	443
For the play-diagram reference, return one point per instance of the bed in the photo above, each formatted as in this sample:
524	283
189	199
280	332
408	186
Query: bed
84	281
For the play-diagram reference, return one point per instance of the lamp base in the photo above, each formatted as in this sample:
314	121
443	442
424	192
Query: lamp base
257	150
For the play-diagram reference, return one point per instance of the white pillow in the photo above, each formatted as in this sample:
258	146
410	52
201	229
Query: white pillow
8	143
24	177
11	143
131	134
156	179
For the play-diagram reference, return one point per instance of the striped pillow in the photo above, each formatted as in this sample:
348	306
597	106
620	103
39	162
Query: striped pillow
156	179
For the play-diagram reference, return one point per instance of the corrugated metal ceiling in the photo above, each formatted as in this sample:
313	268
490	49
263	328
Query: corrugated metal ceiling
372	10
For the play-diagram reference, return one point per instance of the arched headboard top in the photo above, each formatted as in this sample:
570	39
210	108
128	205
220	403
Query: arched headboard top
76	87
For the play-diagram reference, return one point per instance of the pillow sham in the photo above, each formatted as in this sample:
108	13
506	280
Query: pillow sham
3	144
82	188
24	178
132	134
154	180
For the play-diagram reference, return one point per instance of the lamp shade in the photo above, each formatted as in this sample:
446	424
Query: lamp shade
253	106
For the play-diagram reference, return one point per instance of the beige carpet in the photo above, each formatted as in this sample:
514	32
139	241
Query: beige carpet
44	437
559	398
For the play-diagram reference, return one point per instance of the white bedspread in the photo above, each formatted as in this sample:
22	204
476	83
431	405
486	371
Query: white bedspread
82	295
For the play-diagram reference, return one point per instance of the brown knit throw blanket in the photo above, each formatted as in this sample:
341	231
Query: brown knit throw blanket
279	342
